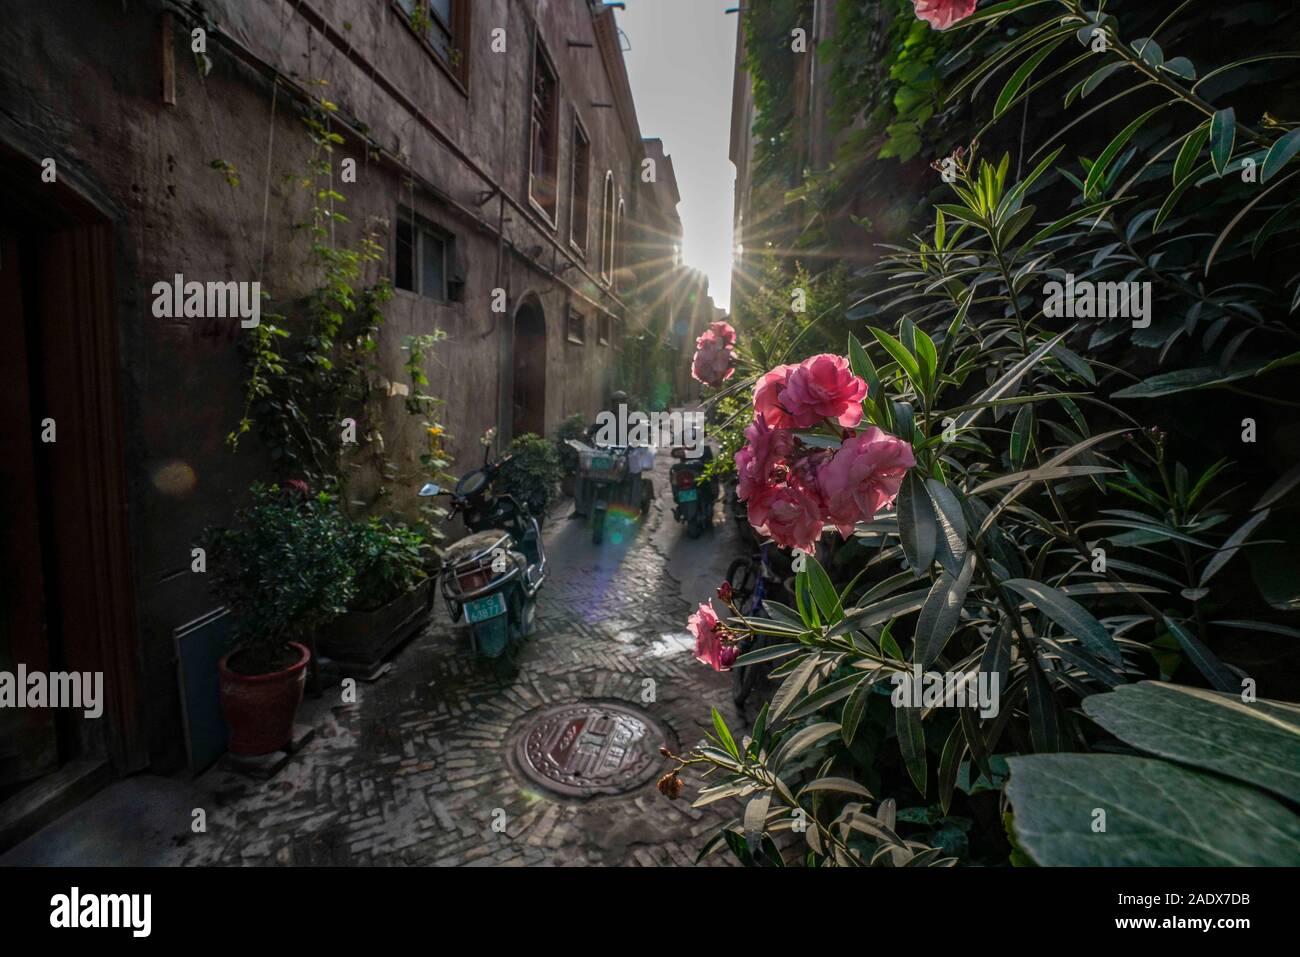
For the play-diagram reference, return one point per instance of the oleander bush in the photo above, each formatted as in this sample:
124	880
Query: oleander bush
1069	499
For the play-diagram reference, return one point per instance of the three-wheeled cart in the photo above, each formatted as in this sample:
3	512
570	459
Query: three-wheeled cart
610	476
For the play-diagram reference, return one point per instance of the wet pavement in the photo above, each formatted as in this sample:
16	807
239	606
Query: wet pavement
424	767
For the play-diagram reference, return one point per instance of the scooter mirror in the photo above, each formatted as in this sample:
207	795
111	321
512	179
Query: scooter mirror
429	490
679	453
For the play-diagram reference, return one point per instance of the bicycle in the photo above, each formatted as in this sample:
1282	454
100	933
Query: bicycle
752	580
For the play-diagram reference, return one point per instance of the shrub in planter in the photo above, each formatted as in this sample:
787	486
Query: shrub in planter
392	594
532	475
390	560
284	569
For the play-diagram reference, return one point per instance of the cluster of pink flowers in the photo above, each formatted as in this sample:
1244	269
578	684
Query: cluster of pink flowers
709	645
941	14
714	361
793	490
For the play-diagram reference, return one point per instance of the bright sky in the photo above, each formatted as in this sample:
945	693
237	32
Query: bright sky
681	63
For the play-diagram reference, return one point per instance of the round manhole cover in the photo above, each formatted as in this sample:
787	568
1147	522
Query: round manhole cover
589	748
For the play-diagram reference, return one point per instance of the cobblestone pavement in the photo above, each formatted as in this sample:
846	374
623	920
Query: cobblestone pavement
416	771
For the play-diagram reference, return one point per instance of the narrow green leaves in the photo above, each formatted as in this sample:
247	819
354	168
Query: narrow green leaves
1223	134
1097	175
1072	617
940	614
1279	153
917	525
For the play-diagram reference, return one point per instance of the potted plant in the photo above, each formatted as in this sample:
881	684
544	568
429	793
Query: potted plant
284	569
391	594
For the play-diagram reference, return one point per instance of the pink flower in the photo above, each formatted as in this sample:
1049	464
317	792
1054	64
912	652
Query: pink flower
709	647
713	363
764	449
863	477
724	332
824	387
941	14
767	398
791	516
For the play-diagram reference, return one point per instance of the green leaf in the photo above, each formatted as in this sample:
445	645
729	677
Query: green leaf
854	709
927	358
1157	814
1181	67
1184	380
1206	662
756	818
844	785
724	735
1279	153
1256	742
793	684
1188	153
1099	77
801	741
1044	722
823	592
1223	135
940	613
881	611
949	763
917	525
906	361
1229	548
1278	489
911	743
1098	172
1072	617
1021	76
951	525
827	694
1020	435
861	365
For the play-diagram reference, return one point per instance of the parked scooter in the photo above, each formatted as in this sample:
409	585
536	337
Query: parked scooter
491	577
693	499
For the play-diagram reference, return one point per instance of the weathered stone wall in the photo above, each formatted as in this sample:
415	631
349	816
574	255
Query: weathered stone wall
81	82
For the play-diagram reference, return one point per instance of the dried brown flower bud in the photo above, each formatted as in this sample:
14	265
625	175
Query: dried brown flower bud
670	786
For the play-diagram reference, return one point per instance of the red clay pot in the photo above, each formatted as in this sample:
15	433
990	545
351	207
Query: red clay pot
259	709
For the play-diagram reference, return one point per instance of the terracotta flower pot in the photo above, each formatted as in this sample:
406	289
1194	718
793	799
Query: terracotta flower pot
259	709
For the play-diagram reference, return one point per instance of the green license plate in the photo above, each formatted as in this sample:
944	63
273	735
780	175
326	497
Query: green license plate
481	609
688	494
601	463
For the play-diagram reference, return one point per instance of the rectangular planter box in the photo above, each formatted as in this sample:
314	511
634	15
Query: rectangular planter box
363	639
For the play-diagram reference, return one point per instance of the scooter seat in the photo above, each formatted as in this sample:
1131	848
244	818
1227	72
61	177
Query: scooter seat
476	545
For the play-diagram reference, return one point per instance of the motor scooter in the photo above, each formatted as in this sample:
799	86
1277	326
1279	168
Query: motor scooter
693	499
491	578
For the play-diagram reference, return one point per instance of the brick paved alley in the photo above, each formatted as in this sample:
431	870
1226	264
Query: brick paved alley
415	771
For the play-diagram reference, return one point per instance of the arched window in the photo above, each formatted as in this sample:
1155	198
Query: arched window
607	229
618	251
